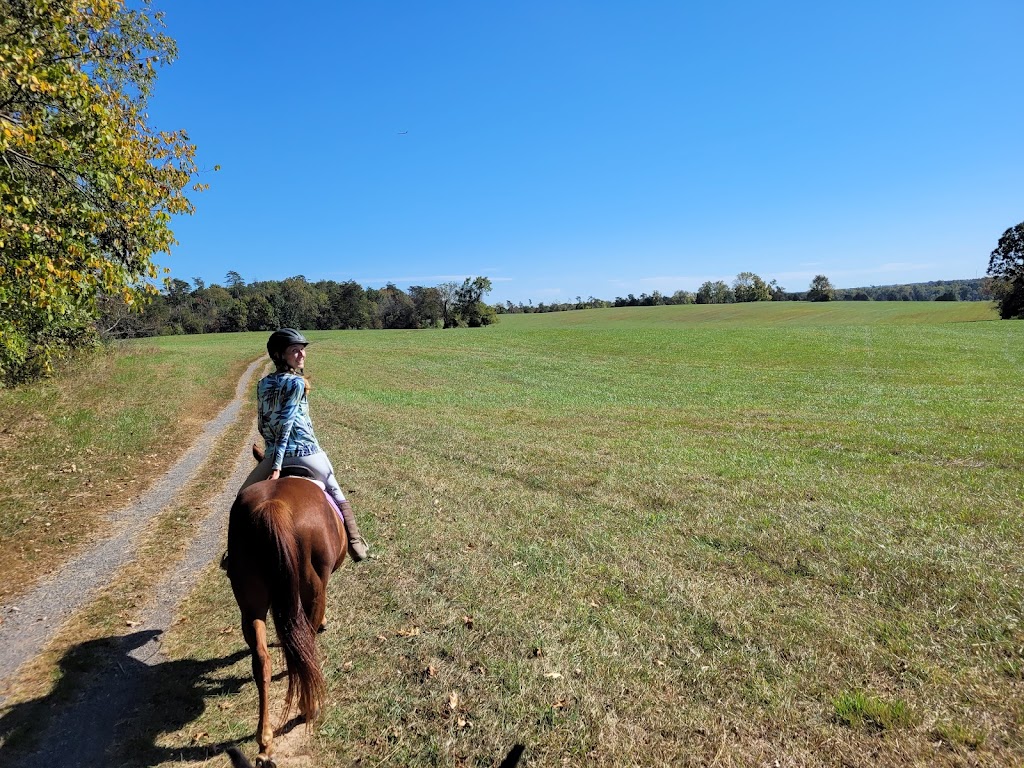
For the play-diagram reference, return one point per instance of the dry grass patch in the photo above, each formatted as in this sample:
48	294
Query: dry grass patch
90	440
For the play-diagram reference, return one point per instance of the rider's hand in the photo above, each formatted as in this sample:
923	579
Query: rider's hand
275	474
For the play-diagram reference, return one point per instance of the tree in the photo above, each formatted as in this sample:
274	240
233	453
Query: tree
87	186
448	295
1006	273
821	289
681	297
259	313
470	305
395	309
629	301
750	287
429	311
234	283
714	293
116	320
302	304
348	307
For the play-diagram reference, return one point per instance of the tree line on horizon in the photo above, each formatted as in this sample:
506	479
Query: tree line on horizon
749	287
187	308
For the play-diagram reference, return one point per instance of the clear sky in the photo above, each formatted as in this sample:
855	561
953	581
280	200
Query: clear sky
566	148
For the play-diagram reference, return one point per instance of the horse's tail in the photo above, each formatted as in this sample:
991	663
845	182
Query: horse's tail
296	635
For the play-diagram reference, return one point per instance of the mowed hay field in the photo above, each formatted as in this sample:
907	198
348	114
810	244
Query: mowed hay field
742	535
775	534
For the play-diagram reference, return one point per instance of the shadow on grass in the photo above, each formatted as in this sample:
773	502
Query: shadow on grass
116	692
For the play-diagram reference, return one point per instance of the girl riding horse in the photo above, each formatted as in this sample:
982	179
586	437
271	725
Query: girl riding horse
283	420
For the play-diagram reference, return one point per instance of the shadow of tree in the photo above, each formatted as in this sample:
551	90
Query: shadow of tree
106	699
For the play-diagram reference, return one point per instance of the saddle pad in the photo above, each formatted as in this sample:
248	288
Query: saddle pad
330	499
319	484
334	506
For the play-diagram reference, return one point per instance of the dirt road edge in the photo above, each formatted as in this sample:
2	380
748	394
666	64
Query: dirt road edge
34	618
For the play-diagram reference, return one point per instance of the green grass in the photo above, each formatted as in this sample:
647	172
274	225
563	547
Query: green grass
682	534
860	710
667	536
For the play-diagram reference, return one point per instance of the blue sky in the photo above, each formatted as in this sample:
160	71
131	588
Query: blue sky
597	148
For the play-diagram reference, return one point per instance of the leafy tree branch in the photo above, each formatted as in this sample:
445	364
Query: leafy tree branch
87	187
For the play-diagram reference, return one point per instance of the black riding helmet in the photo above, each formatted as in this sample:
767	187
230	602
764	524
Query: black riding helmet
283	338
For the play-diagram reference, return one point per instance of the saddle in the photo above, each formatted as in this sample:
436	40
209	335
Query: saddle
297	470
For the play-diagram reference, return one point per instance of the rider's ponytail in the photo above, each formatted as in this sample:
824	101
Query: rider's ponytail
283	367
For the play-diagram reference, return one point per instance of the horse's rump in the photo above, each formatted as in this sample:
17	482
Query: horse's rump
271	556
270	513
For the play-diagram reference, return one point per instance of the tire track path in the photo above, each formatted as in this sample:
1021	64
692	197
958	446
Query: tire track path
85	727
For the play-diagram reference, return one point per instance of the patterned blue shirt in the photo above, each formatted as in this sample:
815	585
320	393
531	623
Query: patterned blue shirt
283	417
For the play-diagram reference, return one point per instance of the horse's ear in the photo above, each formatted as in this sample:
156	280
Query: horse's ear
257	452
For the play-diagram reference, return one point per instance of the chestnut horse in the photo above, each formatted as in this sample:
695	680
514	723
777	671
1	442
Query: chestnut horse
284	542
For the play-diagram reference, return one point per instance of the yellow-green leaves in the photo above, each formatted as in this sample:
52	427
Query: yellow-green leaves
87	186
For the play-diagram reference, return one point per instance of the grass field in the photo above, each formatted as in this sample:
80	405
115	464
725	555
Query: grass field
737	535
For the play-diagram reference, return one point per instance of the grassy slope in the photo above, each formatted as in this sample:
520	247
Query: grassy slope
672	535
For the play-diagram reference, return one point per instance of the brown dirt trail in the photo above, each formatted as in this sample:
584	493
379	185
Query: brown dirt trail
84	723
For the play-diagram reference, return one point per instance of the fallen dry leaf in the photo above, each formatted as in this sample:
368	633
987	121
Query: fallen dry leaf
468	621
553	675
412	631
453	701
